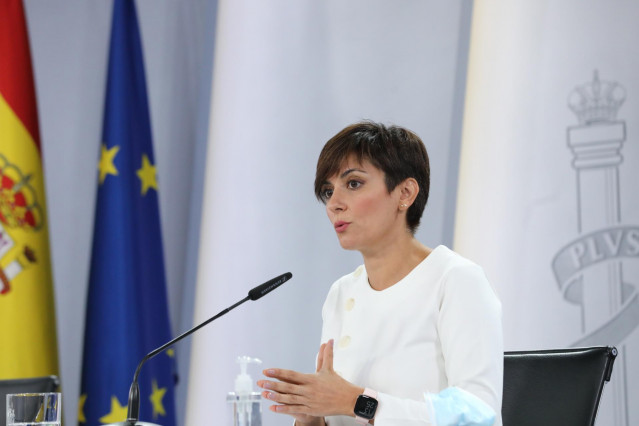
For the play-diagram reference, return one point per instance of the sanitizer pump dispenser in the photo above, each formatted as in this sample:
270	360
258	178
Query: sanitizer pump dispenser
244	403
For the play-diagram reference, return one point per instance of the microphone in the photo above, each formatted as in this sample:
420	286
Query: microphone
133	410
264	289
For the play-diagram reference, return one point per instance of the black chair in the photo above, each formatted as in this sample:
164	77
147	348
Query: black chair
555	387
31	385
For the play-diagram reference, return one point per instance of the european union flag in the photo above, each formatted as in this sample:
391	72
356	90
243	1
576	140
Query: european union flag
127	313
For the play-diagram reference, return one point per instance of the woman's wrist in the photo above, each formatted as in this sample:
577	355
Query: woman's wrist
349	407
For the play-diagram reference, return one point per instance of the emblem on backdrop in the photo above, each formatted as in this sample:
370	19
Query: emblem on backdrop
590	269
19	209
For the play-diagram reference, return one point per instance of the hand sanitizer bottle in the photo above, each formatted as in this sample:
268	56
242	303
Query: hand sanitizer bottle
244	403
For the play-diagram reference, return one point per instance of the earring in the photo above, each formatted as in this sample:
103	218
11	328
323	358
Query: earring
403	206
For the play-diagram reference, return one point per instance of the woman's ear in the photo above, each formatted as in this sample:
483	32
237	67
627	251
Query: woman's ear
408	190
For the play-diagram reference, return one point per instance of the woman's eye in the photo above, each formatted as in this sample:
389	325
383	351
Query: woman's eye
354	184
326	194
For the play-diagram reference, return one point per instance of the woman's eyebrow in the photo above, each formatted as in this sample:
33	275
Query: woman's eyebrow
349	171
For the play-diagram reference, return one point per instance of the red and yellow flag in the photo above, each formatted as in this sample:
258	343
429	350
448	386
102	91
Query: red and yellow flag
27	317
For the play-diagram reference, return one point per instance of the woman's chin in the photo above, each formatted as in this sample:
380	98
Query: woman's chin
346	244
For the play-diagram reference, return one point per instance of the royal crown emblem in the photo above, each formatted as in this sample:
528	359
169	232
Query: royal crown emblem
597	100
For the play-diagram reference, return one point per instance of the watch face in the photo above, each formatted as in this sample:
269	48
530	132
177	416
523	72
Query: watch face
365	407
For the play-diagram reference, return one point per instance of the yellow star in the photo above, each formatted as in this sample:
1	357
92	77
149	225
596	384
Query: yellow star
83	399
170	353
147	175
118	413
156	400
105	165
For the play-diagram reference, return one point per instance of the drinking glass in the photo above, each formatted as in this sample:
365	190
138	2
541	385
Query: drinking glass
31	409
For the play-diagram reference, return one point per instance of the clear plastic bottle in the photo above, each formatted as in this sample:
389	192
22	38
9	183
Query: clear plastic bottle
245	404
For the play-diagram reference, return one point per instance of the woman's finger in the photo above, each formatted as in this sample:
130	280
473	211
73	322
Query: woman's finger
327	362
290	409
283	398
288	376
280	387
320	357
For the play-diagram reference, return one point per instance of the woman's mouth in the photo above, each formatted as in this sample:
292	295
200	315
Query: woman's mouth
340	226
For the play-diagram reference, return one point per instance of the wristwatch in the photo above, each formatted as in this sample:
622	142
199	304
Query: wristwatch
366	406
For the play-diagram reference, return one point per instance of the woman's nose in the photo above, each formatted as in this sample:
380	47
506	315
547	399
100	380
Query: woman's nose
336	202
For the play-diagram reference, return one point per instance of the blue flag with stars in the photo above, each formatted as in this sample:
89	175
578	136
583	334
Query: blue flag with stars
127	312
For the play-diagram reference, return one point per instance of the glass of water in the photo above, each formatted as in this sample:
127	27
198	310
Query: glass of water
31	409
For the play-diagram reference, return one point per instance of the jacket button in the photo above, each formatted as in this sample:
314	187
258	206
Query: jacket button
344	341
350	303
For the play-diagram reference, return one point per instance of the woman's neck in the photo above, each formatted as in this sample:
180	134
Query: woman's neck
387	266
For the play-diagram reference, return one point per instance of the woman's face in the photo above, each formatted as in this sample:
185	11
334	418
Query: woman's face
365	216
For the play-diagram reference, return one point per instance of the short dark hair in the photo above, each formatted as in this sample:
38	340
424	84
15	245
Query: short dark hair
396	151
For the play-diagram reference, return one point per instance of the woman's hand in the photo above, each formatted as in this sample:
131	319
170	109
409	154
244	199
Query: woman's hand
310	397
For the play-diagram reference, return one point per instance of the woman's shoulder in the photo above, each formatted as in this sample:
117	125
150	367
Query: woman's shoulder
442	261
461	274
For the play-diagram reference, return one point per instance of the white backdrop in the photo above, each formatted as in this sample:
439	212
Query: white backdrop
547	198
287	76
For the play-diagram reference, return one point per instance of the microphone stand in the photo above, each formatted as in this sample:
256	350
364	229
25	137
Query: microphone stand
133	410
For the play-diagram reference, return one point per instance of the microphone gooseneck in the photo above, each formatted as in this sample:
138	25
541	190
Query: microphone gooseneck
133	409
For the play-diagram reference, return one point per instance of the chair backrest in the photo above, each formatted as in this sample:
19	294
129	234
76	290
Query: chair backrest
34	384
555	387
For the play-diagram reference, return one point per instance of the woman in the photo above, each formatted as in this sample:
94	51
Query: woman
412	337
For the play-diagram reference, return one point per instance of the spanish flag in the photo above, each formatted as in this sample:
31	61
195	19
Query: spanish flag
27	317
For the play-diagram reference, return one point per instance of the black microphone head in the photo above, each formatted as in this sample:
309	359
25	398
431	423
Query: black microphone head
269	286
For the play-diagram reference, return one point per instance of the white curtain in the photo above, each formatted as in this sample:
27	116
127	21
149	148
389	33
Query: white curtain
547	201
287	76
